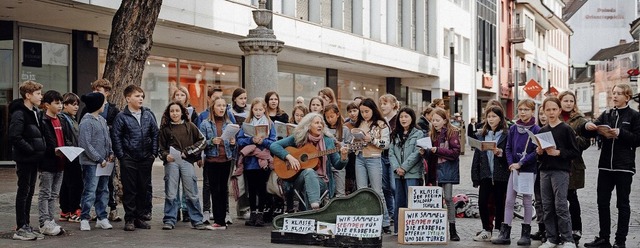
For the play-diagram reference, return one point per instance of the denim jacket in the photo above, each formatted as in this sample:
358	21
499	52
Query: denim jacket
209	131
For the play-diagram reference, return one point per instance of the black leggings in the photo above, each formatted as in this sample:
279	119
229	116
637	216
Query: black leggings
218	174
574	210
496	191
256	181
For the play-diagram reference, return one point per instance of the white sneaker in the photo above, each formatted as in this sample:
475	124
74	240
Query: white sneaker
104	224
228	219
84	225
50	228
484	236
569	245
246	215
548	244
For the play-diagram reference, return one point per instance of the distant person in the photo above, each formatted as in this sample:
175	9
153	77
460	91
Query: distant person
300	101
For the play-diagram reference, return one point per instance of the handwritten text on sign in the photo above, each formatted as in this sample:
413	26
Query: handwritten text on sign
425	197
423	226
301	226
359	226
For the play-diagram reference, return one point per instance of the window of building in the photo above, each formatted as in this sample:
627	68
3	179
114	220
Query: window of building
350	87
486	36
465	49
294	84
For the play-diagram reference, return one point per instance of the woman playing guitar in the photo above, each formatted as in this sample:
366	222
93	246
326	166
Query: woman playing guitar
312	181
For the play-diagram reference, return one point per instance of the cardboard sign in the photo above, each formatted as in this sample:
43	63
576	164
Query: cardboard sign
326	228
422	226
425	197
301	226
359	226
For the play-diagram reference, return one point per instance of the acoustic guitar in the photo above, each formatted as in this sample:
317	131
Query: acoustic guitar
308	155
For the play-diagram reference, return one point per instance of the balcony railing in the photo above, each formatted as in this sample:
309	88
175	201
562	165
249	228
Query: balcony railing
517	34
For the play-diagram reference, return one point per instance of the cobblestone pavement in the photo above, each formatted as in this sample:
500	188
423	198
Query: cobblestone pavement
239	235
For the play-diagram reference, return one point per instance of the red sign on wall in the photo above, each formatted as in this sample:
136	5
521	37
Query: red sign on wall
552	92
532	88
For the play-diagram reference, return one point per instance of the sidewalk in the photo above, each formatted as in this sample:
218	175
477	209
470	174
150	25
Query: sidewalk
239	235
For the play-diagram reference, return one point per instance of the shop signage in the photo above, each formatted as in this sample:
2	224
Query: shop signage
552	92
31	54
532	88
487	81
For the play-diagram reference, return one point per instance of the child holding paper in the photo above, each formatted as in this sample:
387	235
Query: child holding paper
177	132
256	161
521	158
94	139
71	189
443	161
489	171
555	165
219	154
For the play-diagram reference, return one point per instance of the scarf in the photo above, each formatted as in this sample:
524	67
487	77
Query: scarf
262	121
523	127
492	136
318	142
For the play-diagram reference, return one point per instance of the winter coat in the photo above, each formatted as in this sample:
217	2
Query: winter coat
251	163
407	156
25	133
51	161
423	124
480	164
132	140
444	164
619	154
516	144
576	180
210	131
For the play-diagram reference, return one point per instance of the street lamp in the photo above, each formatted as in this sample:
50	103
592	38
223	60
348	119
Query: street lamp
452	93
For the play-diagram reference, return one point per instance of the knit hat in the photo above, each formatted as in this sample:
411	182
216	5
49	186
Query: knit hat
93	101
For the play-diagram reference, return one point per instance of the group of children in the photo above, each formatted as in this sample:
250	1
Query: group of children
389	162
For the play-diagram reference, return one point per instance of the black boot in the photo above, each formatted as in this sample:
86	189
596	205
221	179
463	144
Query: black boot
453	234
525	238
504	238
259	219
540	234
252	219
185	216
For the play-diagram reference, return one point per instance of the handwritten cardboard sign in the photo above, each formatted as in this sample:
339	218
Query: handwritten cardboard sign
301	226
422	226
359	226
425	197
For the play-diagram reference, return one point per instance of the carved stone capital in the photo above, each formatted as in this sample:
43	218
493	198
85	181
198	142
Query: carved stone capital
251	46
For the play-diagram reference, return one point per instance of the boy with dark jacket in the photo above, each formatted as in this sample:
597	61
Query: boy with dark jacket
25	137
52	166
72	184
135	142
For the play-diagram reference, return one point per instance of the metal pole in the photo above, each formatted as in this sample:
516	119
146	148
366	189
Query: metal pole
452	93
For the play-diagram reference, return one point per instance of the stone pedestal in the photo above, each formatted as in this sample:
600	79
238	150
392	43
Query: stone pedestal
261	50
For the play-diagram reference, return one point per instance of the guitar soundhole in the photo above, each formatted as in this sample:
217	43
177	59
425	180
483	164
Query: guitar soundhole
304	158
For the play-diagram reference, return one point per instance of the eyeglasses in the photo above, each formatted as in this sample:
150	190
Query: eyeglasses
524	109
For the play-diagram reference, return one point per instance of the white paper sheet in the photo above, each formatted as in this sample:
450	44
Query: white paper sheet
481	145
424	143
230	132
71	152
523	182
105	171
176	154
543	140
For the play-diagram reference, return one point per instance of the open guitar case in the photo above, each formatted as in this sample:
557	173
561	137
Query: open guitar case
361	202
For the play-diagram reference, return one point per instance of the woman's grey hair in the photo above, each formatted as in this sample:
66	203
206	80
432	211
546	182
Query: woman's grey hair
301	131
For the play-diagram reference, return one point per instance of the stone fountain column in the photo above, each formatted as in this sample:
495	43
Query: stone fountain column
261	50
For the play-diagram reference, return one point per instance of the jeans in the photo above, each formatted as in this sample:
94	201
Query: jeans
388	183
496	191
402	190
310	185
173	174
27	176
96	191
71	190
136	177
219	188
369	171
511	200
607	180
554	186
206	194
339	181
50	183
574	210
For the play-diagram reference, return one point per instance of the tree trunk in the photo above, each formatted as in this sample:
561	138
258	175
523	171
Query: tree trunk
129	45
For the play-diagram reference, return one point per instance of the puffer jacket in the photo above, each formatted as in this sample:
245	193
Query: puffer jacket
480	163
132	140
25	133
407	156
51	160
577	178
619	154
444	164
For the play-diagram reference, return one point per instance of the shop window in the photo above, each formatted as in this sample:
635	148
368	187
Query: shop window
349	89
293	85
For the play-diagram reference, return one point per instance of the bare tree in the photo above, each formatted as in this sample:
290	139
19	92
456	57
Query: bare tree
129	45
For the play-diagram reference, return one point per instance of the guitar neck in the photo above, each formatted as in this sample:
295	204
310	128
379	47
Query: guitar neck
325	152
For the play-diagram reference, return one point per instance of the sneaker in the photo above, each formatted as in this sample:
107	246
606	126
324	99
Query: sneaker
598	242
484	236
49	228
113	216
548	244
218	227
39	235
619	244
104	224
84	225
138	223
568	245
202	226
64	216
129	226
75	217
228	219
246	215
167	226
24	234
